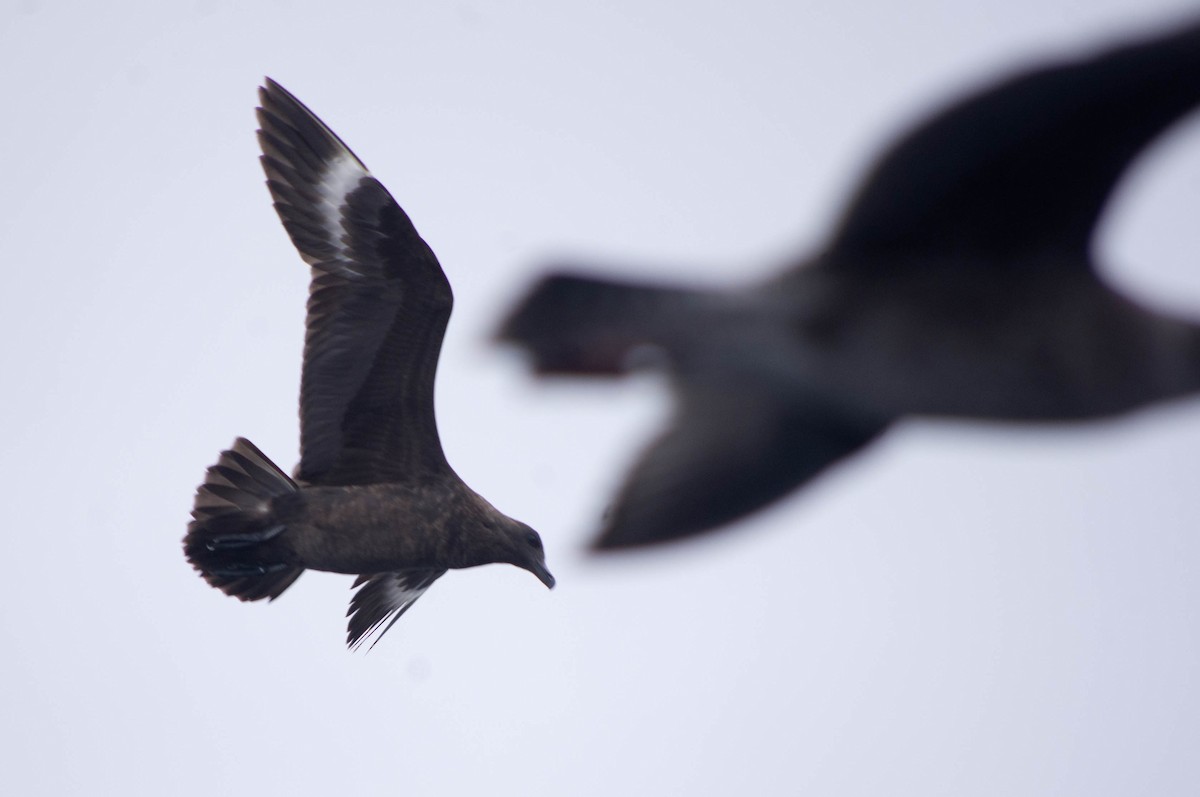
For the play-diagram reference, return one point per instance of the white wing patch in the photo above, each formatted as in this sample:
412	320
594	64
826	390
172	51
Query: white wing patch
381	599
340	177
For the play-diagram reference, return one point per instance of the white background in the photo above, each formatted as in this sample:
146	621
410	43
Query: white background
962	610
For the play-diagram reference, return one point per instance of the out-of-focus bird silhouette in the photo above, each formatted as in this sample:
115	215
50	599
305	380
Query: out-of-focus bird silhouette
373	494
960	282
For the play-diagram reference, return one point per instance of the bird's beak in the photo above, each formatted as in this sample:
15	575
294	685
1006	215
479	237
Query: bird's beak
539	570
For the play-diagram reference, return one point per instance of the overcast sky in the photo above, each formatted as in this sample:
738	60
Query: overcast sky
962	610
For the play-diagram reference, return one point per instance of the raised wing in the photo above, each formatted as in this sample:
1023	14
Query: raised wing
1025	166
382	599
377	308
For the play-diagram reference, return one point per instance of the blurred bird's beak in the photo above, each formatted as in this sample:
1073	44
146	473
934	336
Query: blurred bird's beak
539	570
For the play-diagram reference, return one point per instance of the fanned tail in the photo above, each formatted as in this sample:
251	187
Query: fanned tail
576	324
232	539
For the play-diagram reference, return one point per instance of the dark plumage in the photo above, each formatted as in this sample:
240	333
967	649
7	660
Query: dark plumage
960	282
373	493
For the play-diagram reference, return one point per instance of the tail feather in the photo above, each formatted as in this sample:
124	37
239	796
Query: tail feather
574	324
231	540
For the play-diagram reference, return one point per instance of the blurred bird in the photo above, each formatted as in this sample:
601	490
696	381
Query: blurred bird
373	493
960	282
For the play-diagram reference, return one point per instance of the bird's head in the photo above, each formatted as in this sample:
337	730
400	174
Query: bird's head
495	537
528	553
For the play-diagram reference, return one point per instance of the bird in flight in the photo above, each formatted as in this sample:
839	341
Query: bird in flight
373	494
960	282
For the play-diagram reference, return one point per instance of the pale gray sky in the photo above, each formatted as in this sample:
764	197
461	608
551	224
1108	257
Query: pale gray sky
962	610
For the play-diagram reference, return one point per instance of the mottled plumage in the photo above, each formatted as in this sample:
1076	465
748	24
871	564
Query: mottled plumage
373	493
960	282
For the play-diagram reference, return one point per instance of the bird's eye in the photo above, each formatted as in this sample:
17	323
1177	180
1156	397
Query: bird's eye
534	540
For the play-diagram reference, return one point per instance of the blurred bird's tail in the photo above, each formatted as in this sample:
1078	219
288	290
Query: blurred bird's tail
574	324
232	539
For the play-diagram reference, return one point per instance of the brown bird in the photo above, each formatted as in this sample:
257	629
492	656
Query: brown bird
373	493
961	282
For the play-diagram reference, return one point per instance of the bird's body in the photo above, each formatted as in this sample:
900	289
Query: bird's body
960	282
337	529
373	493
1041	345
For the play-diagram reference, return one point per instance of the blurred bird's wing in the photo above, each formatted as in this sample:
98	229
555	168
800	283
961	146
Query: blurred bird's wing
727	454
377	308
383	597
1024	167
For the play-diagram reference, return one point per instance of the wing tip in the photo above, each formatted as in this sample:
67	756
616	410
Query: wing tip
282	115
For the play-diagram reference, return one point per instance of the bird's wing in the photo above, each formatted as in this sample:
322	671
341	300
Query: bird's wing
727	454
380	601
377	307
1025	166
